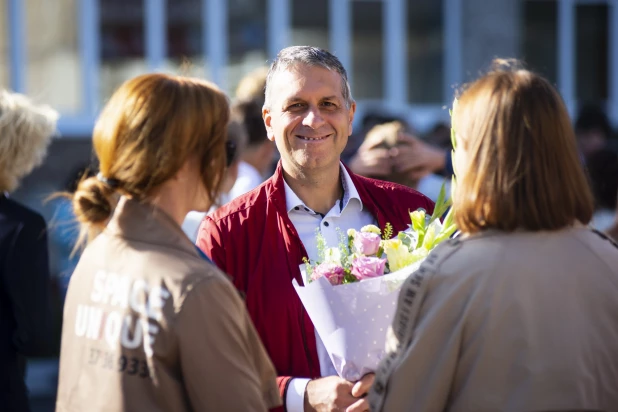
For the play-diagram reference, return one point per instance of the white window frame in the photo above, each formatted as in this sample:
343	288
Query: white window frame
215	44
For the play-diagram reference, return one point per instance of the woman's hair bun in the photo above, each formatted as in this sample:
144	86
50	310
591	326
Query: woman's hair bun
93	202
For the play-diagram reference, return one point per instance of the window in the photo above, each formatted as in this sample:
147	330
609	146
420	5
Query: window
247	39
185	49
425	51
310	23
591	53
122	43
539	47
53	66
367	50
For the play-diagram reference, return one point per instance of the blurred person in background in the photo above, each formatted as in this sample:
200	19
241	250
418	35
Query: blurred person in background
373	117
26	130
592	129
258	155
602	168
386	153
149	322
235	144
440	136
252	85
249	102
519	312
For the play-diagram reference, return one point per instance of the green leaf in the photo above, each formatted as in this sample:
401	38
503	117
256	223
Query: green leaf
442	205
449	219
349	277
446	233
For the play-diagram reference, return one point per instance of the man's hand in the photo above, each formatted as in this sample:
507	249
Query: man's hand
332	393
412	156
373	162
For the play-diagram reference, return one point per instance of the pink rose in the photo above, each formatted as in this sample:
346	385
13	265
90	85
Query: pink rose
331	271
368	267
366	243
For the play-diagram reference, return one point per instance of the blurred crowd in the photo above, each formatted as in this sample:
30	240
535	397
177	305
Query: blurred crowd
383	146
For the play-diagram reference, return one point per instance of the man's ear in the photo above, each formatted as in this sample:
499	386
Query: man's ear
268	123
351	116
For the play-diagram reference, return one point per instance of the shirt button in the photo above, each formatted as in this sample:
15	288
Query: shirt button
297	208
326	224
306	210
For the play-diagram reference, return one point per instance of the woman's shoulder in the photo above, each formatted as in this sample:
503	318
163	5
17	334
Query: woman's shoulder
181	268
469	248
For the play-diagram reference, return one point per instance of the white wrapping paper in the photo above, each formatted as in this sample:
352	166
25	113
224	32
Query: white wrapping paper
352	319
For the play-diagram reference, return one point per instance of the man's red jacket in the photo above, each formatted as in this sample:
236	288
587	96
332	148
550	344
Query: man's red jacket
253	240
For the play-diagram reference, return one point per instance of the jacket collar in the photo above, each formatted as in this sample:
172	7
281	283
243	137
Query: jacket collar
276	192
144	222
349	192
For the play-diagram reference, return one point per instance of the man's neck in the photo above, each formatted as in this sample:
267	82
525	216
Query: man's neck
319	190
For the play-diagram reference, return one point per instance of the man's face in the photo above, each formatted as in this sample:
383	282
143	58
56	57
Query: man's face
307	118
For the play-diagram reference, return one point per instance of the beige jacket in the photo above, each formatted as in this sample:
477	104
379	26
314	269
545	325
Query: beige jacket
149	325
506	322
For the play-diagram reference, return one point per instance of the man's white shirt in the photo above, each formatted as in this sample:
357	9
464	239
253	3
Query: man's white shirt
347	213
248	179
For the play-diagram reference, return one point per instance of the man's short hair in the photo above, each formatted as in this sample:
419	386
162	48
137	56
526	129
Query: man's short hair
310	56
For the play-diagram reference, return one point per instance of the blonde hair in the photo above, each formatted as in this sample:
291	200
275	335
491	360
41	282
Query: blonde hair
252	85
147	131
26	130
524	170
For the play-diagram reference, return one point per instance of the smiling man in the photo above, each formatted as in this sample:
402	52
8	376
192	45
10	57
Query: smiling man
261	238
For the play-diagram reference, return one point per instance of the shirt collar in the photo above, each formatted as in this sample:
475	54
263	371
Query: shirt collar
349	192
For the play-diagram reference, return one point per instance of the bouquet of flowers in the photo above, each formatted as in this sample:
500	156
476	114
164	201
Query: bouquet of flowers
351	292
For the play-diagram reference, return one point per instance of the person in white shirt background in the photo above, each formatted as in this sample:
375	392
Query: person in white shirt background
235	144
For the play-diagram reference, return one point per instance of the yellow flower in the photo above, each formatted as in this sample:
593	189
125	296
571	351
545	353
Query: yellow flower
418	219
398	254
371	229
351	232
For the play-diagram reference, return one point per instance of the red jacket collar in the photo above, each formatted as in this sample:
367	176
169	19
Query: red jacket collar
275	190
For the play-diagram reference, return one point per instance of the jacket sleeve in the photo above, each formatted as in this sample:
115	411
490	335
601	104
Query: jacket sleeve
27	282
422	347
224	365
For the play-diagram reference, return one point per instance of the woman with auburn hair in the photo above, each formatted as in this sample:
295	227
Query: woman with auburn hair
149	323
26	129
519	312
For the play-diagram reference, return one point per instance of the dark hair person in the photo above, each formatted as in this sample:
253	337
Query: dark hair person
149	323
519	312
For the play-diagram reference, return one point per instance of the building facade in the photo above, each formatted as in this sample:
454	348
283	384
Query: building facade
403	56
